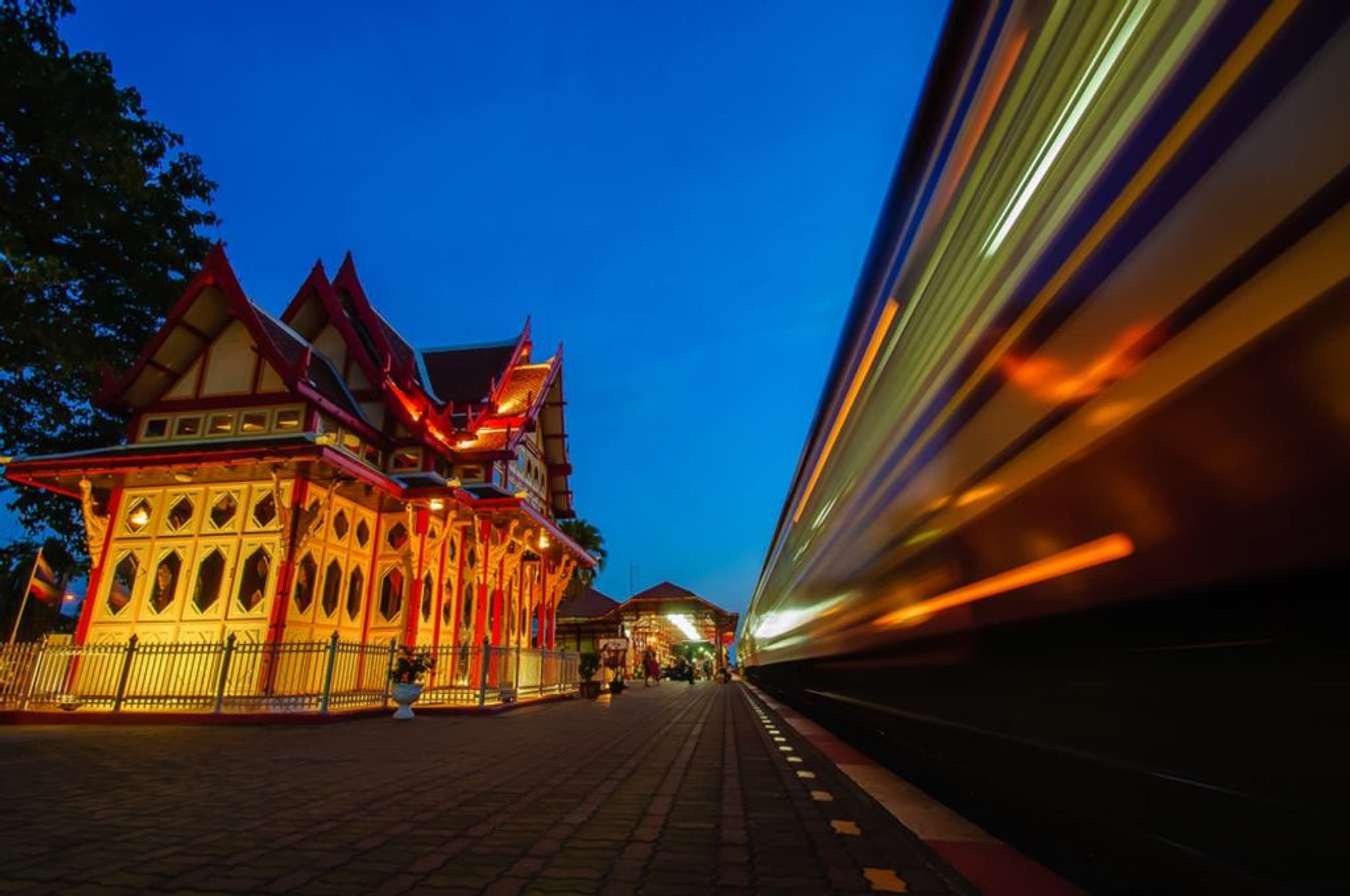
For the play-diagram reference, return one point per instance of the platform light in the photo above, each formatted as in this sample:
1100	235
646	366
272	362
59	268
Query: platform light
685	625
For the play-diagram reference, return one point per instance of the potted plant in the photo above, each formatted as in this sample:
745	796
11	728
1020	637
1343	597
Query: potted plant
406	675
588	666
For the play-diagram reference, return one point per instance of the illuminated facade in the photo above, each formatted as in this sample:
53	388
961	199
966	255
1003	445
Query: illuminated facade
290	479
657	619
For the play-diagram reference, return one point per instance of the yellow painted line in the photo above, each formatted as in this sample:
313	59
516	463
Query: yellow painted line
846	827
822	796
884	880
786	749
781	740
806	774
794	759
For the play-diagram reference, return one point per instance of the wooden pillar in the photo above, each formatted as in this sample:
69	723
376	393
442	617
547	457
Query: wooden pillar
413	605
372	574
281	597
98	565
437	611
541	595
276	624
496	617
480	608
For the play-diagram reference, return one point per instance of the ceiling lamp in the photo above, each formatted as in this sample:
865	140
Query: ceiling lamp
685	625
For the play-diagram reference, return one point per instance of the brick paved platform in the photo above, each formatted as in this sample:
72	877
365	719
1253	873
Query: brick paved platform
664	790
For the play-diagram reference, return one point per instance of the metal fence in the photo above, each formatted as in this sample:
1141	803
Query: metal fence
296	676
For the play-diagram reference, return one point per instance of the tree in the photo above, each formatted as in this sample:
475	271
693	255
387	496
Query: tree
592	542
101	222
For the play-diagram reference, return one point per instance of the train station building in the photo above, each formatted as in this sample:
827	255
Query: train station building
314	477
658	619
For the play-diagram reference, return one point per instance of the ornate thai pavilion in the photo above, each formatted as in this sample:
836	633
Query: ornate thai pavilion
288	479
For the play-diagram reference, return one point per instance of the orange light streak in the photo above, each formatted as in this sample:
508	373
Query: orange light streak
1093	553
859	376
979	119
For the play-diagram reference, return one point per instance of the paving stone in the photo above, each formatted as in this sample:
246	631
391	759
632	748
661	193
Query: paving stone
686	793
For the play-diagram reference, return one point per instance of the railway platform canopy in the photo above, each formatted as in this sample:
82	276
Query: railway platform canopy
666	615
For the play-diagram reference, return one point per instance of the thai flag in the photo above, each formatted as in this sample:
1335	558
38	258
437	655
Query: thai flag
44	583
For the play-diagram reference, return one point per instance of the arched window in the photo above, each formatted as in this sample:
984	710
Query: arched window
253	578
305	574
391	594
165	585
123	583
355	583
332	587
210	575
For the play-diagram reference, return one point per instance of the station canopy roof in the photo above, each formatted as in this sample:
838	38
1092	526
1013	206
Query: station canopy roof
588	604
678	606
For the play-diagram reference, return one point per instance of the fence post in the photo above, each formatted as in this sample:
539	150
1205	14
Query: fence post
515	682
40	651
483	672
389	670
328	675
126	674
226	654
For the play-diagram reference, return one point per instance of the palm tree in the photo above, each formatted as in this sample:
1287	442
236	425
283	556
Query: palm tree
592	542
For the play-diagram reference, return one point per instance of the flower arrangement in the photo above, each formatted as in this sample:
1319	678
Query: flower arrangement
410	665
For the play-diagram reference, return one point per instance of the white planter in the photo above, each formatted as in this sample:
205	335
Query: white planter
405	695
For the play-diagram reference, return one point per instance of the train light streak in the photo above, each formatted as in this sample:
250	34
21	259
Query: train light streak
978	493
1093	553
1083	94
859	377
777	622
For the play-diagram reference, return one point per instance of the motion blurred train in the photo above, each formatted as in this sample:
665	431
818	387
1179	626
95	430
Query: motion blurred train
1069	539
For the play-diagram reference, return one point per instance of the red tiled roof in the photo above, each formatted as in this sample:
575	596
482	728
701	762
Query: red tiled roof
522	389
465	375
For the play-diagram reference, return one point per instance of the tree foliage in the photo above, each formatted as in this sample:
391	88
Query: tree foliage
592	542
101	221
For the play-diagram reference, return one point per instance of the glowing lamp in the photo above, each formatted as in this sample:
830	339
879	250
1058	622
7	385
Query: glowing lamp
685	625
436	504
543	540
140	517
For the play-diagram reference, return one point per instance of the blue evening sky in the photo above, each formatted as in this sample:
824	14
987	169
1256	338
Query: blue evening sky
681	193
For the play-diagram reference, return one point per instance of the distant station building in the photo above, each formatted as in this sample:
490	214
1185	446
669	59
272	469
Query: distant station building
292	478
659	618
586	618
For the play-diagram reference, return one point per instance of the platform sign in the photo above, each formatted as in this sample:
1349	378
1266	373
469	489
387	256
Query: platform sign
613	652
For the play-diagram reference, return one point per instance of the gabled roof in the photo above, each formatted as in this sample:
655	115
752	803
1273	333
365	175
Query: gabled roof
212	300
466	375
678	597
473	403
589	604
388	350
663	591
